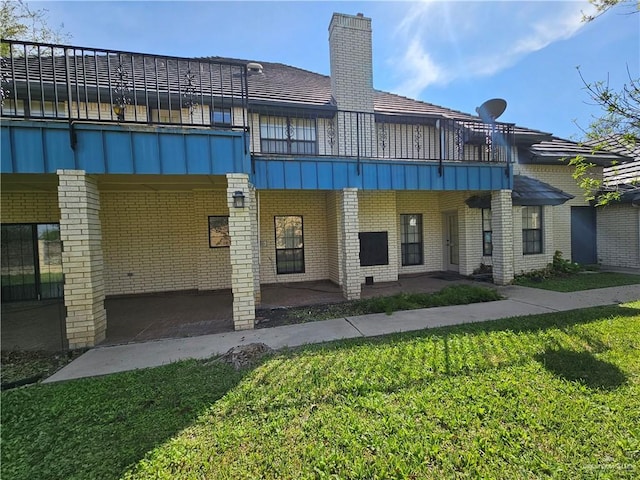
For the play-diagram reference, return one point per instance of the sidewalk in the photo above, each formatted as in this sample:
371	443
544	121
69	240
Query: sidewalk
520	301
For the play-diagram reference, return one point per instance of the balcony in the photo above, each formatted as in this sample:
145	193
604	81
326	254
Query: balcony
359	135
105	111
78	84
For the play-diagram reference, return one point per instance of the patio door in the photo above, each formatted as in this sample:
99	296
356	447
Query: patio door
451	242
31	262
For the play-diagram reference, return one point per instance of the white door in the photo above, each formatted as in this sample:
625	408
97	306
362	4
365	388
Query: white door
451	241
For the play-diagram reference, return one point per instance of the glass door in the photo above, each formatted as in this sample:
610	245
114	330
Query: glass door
31	262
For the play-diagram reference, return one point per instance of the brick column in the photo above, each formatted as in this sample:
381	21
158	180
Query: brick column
502	236
253	212
350	224
242	230
82	265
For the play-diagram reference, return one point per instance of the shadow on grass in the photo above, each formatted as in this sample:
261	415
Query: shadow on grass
527	324
98	427
582	367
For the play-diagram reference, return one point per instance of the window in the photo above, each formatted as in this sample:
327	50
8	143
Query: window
221	116
411	239
219	232
31	262
289	244
531	230
487	243
287	135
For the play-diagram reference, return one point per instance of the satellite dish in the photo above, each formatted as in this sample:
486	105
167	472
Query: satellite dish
490	110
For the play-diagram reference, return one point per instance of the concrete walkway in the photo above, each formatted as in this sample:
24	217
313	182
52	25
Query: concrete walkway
520	301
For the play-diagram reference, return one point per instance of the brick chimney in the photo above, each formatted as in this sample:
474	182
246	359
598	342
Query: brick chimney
351	62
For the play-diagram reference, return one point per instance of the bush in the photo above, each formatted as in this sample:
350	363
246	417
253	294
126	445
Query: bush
559	267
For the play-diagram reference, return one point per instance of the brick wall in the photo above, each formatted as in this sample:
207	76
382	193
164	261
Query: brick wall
619	236
158	241
30	207
377	213
351	62
211	263
560	177
311	205
428	205
334	237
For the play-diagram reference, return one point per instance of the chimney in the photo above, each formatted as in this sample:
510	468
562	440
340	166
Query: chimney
351	62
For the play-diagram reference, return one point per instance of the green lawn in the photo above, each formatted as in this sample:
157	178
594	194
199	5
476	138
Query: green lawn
555	395
581	281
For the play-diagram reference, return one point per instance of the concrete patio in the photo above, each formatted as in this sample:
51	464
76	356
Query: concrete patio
140	318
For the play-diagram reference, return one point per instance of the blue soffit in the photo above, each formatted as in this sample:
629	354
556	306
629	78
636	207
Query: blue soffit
46	146
328	173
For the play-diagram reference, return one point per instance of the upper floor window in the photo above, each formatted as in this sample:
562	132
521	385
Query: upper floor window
221	117
288	135
531	230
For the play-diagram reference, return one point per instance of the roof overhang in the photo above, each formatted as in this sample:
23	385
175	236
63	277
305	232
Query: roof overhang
527	192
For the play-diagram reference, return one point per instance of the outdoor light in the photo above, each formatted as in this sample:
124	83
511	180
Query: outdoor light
238	199
119	111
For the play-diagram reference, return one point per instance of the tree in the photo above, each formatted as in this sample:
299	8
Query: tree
602	6
616	128
18	21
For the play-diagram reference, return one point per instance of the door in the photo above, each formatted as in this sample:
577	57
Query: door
31	262
451	241
583	235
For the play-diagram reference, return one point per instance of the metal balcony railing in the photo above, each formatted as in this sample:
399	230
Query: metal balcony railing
378	136
47	81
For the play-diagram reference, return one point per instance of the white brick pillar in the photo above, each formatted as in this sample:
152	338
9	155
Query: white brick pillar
82	264
502	236
468	256
253	212
350	224
242	231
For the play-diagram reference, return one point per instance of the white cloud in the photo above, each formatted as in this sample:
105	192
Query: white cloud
492	36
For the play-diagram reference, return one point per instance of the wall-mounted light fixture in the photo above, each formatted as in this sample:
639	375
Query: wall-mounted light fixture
238	199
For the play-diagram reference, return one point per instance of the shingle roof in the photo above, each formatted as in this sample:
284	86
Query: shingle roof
555	149
286	84
527	192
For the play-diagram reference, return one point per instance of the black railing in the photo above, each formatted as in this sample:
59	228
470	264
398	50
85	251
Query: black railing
374	135
84	84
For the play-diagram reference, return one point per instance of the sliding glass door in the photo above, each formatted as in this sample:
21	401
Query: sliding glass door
31	262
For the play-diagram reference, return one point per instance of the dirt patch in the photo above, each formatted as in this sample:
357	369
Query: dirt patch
26	367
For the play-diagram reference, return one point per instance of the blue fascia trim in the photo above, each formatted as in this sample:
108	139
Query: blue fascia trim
45	146
333	173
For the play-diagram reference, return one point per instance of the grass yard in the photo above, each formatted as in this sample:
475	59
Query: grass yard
581	281
555	395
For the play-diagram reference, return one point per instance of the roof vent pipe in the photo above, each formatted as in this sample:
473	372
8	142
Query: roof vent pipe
254	67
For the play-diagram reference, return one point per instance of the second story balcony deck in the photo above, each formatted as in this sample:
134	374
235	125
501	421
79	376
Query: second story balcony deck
139	113
362	135
78	84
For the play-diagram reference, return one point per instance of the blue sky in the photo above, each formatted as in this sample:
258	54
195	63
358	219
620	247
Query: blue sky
455	54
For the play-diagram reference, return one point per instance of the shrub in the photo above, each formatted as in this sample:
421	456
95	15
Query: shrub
559	267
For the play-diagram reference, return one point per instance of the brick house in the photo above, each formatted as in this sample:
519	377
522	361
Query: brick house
126	173
618	227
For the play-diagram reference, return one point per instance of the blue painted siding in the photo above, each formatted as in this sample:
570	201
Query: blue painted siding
45	146
275	173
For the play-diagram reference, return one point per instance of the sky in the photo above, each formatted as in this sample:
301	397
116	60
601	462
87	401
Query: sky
456	54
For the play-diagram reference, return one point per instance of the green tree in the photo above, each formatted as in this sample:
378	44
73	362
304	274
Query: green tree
18	21
617	128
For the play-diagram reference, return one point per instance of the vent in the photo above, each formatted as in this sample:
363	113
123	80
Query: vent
254	68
